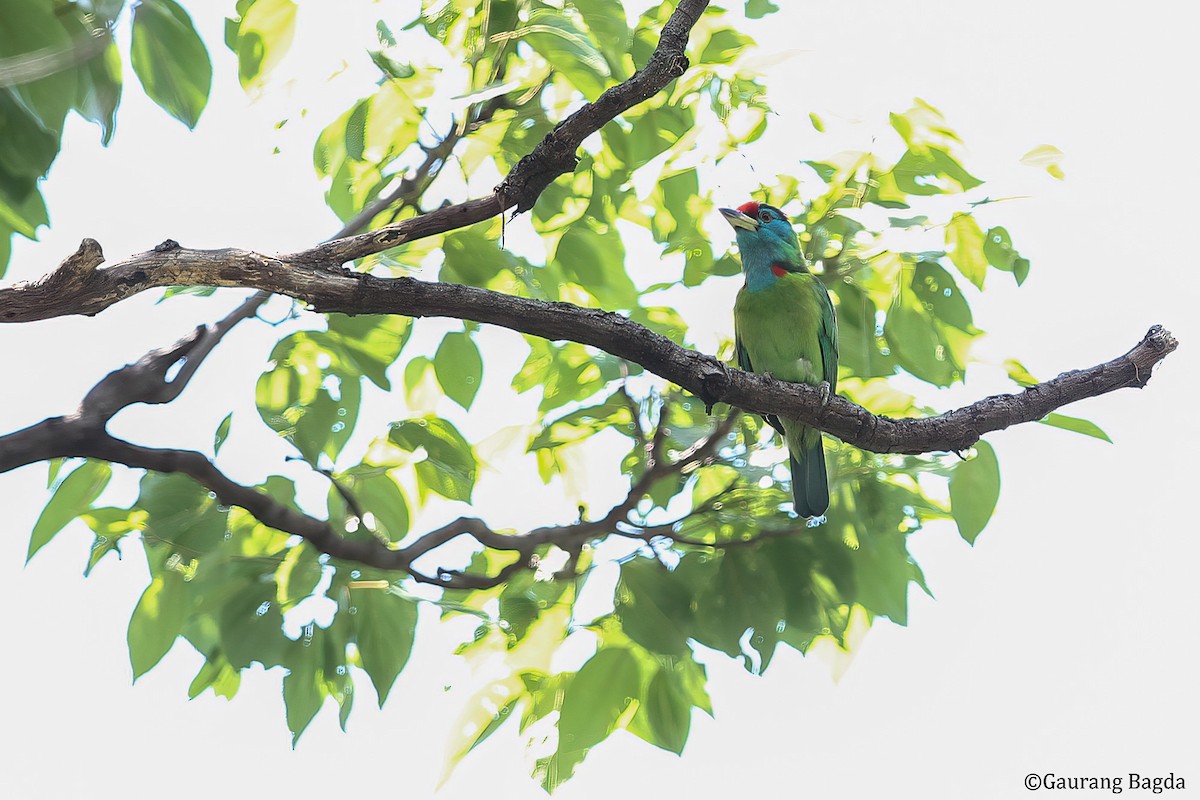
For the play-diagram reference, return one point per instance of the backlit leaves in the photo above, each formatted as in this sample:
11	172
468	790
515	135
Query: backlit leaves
1075	424
999	252
459	367
1046	156
72	497
566	46
312	393
157	621
964	242
974	490
170	59
261	39
384	624
448	467
593	701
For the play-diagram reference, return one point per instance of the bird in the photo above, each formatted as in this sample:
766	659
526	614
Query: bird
785	326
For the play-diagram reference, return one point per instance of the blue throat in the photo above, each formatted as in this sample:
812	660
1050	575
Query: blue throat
762	248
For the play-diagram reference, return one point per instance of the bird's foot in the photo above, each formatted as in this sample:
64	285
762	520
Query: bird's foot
825	392
814	522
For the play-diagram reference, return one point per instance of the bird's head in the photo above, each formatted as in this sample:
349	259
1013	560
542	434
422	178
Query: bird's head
764	234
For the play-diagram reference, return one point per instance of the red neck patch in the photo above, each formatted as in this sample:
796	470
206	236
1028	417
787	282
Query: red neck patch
778	270
749	209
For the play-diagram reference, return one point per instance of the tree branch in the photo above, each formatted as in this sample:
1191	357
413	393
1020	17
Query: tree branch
91	290
703	375
83	435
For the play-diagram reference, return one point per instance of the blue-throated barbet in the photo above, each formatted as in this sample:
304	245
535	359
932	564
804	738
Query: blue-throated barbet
784	325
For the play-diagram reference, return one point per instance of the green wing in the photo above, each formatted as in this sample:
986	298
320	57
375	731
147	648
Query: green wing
743	360
828	338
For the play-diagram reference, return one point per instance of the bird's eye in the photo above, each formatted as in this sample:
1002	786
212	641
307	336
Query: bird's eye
765	216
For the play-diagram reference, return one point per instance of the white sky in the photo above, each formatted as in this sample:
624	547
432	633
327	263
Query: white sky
1064	642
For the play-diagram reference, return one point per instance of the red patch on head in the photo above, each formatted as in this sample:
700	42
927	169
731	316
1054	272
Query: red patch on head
749	209
778	270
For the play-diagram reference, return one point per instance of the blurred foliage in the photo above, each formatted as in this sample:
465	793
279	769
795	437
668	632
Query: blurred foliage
725	568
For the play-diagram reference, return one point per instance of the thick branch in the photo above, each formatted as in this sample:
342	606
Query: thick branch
704	376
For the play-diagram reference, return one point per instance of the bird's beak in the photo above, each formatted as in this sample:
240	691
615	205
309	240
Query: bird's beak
739	220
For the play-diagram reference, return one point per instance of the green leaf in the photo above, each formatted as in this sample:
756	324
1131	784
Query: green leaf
181	517
757	9
964	240
724	46
596	262
449	465
23	212
356	131
382	497
523	600
303	693
369	343
974	490
313	393
26	149
654	606
459	367
606	21
99	91
325	424
1075	424
471	258
384	626
157	621
503	715
27	27
563	44
222	433
264	36
217	675
1019	374
860	350
298	575
936	289
916	344
53	467
566	372
1021	270
170	59
1046	156
110	526
592	703
998	249
107	9
73	497
241	7
251	623
931	170
6	235
668	711
743	595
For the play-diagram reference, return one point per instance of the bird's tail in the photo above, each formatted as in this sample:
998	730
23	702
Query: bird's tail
810	483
